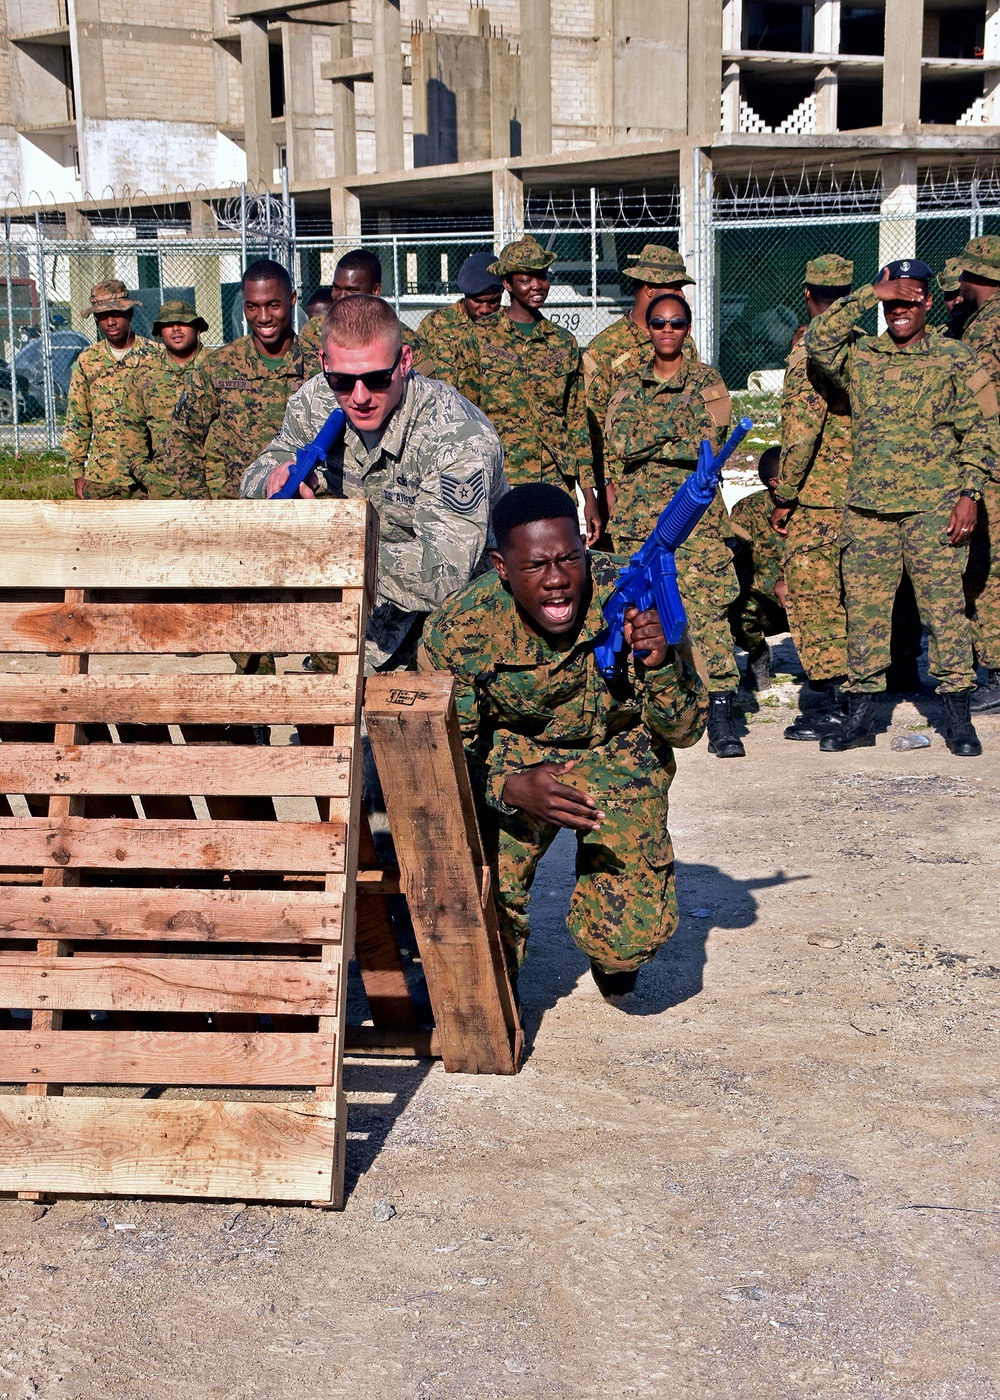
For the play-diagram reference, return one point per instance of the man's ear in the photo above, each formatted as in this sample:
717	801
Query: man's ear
295	296
498	564
929	301
377	292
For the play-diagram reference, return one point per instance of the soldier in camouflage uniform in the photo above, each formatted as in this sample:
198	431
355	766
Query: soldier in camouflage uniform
550	743
149	404
524	372
430	463
358	273
810	494
623	348
923	419
980	282
959	310
655	425
439	332
235	400
759	611
97	388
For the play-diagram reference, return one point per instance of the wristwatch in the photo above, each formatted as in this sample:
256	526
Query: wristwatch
972	495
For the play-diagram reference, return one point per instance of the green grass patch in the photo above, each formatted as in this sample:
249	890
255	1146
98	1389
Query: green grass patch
34	476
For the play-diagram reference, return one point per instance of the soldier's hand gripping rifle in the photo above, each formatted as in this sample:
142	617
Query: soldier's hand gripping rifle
312	455
650	579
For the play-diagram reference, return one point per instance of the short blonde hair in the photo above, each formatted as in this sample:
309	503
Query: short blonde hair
361	320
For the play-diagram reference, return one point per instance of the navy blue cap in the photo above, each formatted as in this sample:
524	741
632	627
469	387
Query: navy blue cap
910	267
475	277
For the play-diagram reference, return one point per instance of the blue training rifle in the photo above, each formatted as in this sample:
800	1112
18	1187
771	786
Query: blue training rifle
650	578
309	457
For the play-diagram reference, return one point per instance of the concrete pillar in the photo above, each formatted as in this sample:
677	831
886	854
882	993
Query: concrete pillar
536	77
604	34
387	75
991	52
508	207
345	131
697	245
204	221
826	39
345	214
258	139
300	101
90	94
505	97
904	31
897	231
479	23
732	25
704	68
731	98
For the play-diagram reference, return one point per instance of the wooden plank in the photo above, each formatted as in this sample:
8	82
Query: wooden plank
393	1043
254	985
226	770
212	916
172	845
103	1146
413	727
151	628
376	949
167	1057
186	544
187	699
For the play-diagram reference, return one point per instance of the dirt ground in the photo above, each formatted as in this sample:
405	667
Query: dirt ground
774	1176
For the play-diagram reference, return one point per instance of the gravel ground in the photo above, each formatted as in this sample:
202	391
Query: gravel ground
774	1175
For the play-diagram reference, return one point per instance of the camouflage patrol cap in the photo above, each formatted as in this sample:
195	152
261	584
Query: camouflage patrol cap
981	257
663	267
178	313
109	296
525	255
829	270
948	277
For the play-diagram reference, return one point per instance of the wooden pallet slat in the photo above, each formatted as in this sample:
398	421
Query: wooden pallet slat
131	844
144	629
185	699
103	1146
206	769
188	544
166	1057
219	916
254	985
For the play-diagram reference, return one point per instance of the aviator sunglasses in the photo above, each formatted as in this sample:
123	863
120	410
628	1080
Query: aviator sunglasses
375	380
658	323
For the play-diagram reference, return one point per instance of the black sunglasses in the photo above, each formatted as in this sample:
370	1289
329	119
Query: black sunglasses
676	323
375	380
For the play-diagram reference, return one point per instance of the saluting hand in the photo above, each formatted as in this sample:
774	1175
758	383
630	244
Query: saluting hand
279	476
538	793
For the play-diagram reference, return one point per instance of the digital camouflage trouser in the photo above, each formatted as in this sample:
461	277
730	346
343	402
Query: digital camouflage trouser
816	615
982	579
624	905
708	586
876	548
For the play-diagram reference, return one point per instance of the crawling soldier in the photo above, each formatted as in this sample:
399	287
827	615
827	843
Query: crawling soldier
550	743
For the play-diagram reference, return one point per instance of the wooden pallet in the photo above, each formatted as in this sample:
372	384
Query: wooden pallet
188	922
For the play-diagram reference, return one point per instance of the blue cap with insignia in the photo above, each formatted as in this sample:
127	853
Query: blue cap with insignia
912	268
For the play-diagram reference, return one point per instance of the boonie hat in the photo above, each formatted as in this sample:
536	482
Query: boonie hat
475	278
178	313
982	257
525	255
948	277
663	267
109	296
829	270
909	267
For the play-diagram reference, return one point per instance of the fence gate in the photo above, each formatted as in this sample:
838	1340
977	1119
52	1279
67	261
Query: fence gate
173	967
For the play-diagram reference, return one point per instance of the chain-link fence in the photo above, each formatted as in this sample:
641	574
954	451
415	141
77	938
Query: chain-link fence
750	246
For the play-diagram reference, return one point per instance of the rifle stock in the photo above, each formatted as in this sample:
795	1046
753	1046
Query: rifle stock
311	455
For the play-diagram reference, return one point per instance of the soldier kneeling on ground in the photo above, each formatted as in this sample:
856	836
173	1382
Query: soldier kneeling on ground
550	743
759	611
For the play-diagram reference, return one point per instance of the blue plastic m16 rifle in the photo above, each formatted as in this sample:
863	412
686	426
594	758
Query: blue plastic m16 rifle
650	579
312	455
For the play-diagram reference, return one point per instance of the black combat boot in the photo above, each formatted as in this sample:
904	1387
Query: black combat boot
758	676
959	732
986	697
856	732
816	724
723	740
614	984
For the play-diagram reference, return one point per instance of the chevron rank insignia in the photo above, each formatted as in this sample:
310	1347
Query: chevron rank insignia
463	495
